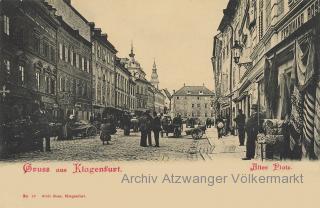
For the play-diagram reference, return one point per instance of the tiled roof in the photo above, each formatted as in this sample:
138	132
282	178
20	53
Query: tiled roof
193	90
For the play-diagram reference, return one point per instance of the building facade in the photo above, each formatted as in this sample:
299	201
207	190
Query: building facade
141	83
273	41
28	56
193	102
123	85
103	66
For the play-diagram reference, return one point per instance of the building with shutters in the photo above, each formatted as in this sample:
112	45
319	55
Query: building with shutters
193	102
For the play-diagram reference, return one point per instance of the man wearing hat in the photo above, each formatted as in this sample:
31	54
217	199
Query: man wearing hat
252	128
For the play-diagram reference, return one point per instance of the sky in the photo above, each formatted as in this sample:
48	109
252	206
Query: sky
178	34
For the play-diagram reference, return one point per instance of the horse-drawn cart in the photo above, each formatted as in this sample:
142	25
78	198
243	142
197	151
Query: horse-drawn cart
197	132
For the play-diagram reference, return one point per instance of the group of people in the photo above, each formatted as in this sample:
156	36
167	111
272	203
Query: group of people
251	126
147	124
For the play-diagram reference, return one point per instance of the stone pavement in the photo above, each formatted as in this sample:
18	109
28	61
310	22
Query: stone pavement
226	147
122	148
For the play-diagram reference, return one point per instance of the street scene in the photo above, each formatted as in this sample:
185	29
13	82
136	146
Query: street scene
125	148
238	80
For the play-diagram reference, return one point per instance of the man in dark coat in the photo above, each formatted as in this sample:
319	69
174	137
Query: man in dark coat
143	126
241	123
149	127
253	126
156	126
40	117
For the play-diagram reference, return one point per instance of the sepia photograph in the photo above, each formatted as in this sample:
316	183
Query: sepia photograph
159	103
147	80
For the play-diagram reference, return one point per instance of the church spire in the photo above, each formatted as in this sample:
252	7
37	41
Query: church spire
132	54
154	76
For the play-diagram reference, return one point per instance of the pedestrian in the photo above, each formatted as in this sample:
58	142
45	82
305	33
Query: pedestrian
156	127
253	126
126	125
149	127
40	117
143	129
208	123
227	124
241	123
107	128
220	125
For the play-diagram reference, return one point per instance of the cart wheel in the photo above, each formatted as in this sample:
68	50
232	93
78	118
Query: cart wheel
92	131
197	134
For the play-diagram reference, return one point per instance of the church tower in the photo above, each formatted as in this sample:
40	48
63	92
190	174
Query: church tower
154	76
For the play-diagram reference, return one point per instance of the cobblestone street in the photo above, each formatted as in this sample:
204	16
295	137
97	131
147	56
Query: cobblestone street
122	148
126	148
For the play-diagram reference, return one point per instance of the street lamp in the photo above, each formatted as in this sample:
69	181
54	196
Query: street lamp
237	48
236	51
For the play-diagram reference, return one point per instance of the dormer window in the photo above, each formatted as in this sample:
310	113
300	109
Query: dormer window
188	92
201	92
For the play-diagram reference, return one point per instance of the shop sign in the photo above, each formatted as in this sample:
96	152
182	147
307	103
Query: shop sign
301	18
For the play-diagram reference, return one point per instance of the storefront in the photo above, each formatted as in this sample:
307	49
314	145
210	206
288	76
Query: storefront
292	86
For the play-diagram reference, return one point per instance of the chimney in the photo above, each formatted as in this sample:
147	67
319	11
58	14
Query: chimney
184	84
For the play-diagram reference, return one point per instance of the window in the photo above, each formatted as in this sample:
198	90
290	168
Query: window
260	19
60	84
198	105
77	61
198	98
36	44
71	56
60	51
205	105
66	53
192	105
88	66
93	45
6	28
177	98
38	80
47	83
7	66
53	86
52	54
21	75
85	64
82	63
46	50
205	114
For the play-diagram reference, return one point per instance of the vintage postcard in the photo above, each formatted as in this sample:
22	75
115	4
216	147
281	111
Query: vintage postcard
159	103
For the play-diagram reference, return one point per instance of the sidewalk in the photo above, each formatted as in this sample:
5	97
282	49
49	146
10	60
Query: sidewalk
225	147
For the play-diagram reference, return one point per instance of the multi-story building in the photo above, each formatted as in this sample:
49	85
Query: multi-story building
132	95
28	56
193	102
122	86
141	84
103	66
74	62
273	40
159	101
